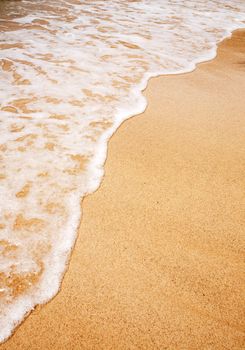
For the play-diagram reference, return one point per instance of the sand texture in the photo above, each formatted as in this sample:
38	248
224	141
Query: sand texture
158	263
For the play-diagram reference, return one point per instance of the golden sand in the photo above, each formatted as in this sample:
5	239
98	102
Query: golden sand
158	263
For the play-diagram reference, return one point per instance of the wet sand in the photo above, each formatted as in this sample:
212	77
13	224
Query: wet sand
158	263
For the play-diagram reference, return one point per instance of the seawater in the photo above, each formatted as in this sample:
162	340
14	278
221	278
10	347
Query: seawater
71	72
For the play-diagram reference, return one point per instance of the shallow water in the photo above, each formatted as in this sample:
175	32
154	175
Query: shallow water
71	72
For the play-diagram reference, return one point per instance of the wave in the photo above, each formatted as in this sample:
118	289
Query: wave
72	71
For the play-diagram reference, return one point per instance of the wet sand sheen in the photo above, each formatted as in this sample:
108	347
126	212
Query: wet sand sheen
158	261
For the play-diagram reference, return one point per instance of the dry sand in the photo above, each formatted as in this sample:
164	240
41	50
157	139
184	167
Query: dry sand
159	262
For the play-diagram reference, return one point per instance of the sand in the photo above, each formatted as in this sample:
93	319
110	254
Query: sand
158	263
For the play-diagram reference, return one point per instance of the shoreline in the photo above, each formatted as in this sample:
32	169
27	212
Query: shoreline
122	318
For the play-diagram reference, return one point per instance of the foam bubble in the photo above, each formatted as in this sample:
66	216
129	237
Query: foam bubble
72	71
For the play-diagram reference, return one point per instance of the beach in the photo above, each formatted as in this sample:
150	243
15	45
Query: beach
158	262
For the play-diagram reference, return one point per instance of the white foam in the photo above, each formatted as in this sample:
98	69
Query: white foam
81	72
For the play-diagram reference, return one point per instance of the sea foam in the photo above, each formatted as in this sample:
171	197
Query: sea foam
71	72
